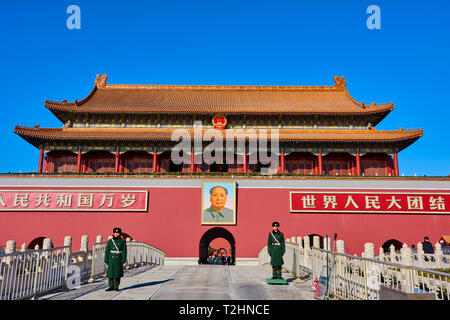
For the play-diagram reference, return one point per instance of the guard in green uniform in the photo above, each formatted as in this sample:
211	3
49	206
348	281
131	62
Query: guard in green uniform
276	248
115	257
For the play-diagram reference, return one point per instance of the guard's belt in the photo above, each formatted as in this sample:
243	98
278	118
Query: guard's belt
116	251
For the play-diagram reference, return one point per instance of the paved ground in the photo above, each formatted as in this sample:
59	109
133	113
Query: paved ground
202	282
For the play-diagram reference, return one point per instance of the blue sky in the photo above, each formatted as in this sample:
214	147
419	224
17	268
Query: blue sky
231	43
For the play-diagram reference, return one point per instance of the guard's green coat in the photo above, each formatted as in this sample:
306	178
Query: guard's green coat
276	250
115	261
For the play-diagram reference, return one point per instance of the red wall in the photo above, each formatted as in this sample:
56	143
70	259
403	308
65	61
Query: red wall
173	223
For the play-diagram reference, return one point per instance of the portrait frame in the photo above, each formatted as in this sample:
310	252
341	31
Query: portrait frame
230	204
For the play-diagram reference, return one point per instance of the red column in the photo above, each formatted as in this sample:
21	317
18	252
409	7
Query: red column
396	172
319	164
155	159
244	165
282	167
41	160
79	161
84	164
121	160
191	167
358	164
116	167
353	167
45	164
391	166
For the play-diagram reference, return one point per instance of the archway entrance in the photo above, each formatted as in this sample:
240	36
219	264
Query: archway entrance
36	241
386	245
208	237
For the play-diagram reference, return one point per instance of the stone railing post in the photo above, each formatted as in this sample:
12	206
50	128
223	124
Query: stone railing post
299	258
36	247
99	239
68	243
84	248
23	247
307	252
369	250
381	256
392	253
438	255
47	244
406	254
317	258
84	243
339	261
294	239
301	252
420	254
407	260
68	261
10	248
340	246
128	253
327	243
316	242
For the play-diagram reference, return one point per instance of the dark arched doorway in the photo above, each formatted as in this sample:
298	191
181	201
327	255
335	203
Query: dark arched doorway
397	245
37	241
311	240
209	236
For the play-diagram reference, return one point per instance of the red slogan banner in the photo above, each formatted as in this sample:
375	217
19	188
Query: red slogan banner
73	200
370	202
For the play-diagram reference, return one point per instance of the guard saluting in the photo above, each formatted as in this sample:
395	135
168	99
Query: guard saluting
115	257
276	248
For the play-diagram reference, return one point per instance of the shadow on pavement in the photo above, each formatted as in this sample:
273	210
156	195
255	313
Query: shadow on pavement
152	283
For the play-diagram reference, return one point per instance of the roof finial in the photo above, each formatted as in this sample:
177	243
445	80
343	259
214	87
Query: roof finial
100	82
339	83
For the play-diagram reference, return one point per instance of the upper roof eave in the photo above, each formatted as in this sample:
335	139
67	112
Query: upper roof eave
76	108
116	98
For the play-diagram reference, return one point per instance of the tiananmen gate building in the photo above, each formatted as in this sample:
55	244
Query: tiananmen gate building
111	164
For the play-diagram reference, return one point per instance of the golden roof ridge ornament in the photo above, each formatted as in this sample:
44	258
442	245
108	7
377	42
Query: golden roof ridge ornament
339	82
100	82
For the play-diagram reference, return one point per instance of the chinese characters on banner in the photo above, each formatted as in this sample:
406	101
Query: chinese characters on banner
70	200
370	202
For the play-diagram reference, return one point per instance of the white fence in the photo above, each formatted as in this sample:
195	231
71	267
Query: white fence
26	274
355	278
138	254
362	277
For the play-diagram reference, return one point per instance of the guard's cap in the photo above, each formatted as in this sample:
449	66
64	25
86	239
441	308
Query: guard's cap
275	224
117	230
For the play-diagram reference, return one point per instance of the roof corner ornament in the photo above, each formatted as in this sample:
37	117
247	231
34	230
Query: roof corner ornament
339	82
100	82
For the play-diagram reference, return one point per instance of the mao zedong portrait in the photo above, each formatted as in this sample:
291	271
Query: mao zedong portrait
217	212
